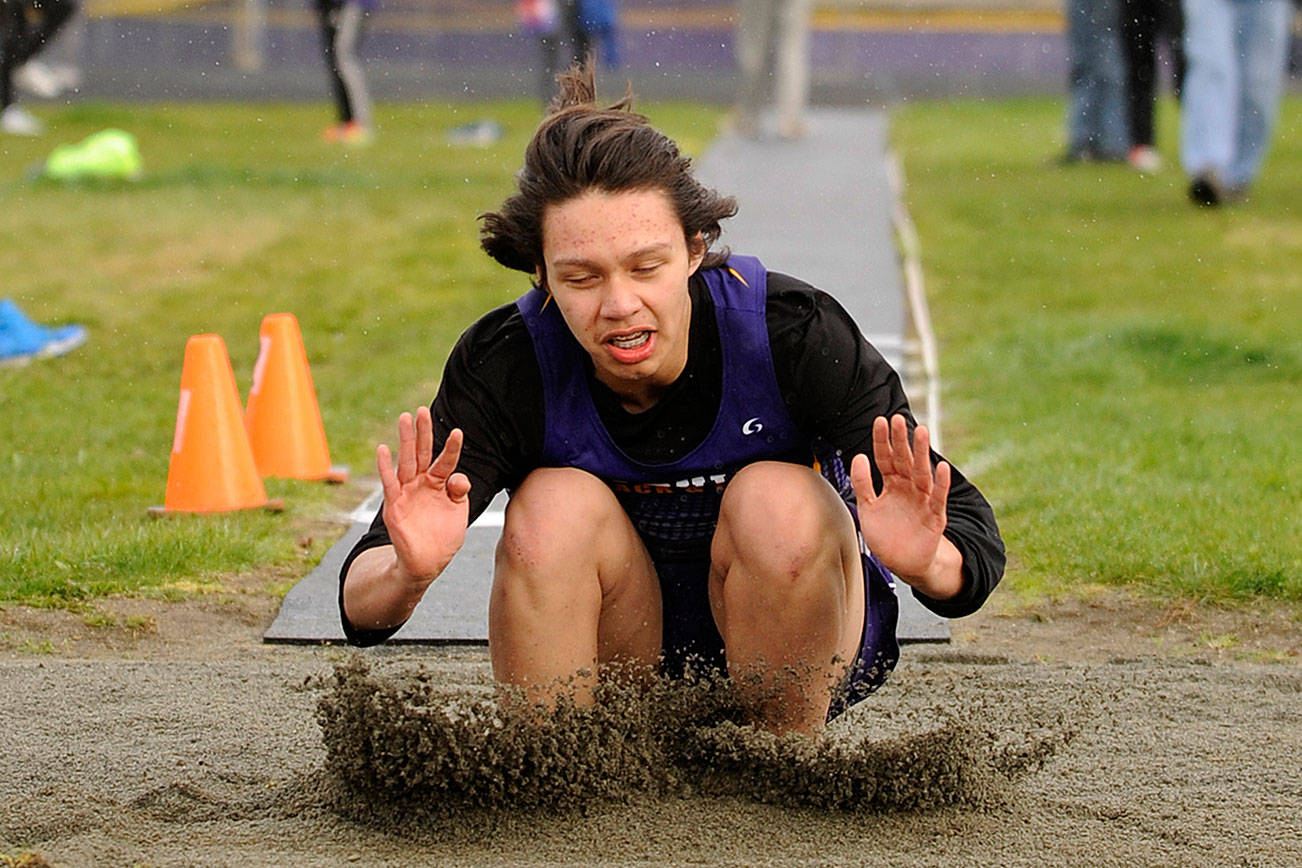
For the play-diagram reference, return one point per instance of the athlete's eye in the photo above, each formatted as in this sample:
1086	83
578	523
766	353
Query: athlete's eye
647	269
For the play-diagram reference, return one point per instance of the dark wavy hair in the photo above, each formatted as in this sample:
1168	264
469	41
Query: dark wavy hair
580	147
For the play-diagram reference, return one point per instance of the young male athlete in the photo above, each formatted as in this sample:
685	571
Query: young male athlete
675	427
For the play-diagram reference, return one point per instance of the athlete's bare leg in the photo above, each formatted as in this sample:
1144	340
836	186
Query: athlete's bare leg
573	588
786	587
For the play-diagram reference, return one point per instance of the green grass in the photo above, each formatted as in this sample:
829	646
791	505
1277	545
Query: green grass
1122	371
243	212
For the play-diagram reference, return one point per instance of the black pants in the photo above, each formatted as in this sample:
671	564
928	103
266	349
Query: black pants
576	38
559	51
25	28
340	35
1143	24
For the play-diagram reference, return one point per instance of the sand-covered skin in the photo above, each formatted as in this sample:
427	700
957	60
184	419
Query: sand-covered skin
220	760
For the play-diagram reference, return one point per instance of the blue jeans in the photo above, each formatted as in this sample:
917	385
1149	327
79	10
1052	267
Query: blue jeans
1236	51
1096	114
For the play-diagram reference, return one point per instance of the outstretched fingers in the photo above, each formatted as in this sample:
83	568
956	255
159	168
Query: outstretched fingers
922	473
900	452
406	449
902	462
861	478
388	476
940	491
891	449
424	437
882	444
443	470
416	454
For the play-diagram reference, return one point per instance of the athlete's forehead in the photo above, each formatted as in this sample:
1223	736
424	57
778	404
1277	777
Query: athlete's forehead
603	226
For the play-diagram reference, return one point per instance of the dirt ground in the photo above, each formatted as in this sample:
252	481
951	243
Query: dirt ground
152	733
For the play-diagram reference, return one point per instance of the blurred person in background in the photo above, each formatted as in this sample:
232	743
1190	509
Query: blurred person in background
772	46
1145	23
541	20
574	37
341	23
599	22
26	28
1096	113
1236	55
566	31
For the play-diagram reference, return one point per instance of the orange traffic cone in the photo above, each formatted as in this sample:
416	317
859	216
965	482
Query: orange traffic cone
211	469
283	419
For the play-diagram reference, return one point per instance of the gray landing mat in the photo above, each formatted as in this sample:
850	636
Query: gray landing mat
818	208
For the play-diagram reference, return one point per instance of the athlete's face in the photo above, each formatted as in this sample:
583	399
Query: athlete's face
617	266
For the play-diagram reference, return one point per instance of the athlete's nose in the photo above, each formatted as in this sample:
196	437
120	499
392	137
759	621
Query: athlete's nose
621	299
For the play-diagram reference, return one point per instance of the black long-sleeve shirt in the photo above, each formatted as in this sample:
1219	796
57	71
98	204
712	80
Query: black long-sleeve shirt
834	384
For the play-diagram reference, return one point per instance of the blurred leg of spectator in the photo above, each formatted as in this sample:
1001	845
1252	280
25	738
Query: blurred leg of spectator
791	90
26	27
541	20
13	24
548	45
1096	115
1170	32
599	21
341	24
576	38
772	50
47	17
756	29
1139	39
1236	53
1263	33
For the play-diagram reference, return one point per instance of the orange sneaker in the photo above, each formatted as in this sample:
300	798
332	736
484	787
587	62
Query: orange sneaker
350	133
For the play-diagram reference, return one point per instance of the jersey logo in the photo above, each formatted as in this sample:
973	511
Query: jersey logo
752	426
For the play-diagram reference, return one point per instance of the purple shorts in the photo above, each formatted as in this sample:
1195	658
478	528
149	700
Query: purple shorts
691	639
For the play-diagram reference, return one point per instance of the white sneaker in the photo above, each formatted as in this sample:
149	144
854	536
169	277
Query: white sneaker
18	121
1146	160
38	79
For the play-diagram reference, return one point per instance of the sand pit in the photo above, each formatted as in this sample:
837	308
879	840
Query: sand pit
397	738
967	756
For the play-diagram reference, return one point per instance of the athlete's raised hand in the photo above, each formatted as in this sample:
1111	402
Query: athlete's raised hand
426	502
904	524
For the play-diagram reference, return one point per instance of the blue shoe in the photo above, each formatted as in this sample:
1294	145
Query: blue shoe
22	340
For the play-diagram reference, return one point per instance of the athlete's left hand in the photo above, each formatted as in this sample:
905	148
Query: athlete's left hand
904	524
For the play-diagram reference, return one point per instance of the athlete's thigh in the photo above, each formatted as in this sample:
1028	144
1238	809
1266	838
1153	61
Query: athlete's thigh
777	516
563	528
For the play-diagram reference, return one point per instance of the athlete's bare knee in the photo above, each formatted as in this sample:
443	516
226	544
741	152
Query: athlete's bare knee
783	515
545	512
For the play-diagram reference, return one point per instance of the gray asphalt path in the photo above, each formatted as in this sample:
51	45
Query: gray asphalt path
818	208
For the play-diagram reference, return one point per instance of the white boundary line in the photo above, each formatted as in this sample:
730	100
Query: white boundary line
365	510
916	295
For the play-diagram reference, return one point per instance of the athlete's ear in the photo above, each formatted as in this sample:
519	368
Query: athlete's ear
539	277
695	252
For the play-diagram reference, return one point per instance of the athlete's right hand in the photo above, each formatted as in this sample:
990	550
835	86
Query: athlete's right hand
426	503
